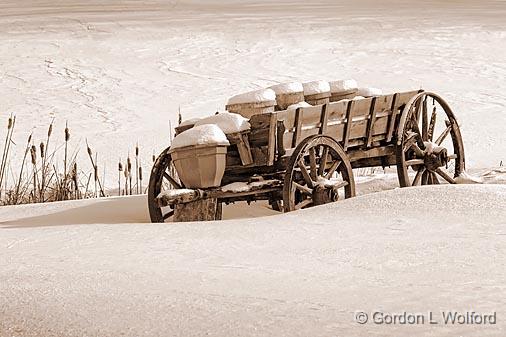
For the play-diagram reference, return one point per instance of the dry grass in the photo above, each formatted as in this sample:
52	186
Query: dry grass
41	177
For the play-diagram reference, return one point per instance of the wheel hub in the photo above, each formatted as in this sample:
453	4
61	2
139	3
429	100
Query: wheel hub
436	159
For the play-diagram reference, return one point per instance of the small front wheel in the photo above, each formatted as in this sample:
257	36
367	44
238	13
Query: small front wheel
318	172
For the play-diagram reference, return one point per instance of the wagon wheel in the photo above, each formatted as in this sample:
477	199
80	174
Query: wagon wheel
163	177
318	172
429	144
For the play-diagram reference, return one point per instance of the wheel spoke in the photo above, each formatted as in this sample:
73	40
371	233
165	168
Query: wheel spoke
323	161
414	162
303	189
171	180
409	142
445	133
435	180
418	176
305	174
341	184
445	176
312	163
333	169
425	117
432	125
304	203
425	177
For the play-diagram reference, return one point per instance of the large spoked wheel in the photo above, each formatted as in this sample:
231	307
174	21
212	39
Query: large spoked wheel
318	172
163	177
429	144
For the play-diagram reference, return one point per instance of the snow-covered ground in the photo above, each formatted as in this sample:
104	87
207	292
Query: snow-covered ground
422	249
117	71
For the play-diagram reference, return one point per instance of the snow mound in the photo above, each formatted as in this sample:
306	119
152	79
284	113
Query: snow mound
257	96
495	176
298	105
208	134
56	280
466	178
190	121
369	92
287	88
343	85
358	97
316	87
228	122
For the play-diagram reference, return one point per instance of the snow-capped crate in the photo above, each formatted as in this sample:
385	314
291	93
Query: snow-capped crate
252	103
288	94
343	89
199	156
317	92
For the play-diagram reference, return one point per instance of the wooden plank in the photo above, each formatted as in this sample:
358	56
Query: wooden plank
370	124
371	153
271	148
349	122
280	132
393	117
298	127
324	117
361	107
198	210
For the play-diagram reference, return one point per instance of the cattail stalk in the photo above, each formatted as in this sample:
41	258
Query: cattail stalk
137	168
33	152
5	153
129	167
140	178
18	183
120	170
67	138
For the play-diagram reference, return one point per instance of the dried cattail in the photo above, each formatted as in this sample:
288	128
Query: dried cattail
154	158
50	130
67	133
126	173
95	171
137	150
33	152
42	149
129	164
120	166
9	124
140	173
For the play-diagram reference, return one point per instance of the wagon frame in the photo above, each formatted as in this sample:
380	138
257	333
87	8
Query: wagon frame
304	157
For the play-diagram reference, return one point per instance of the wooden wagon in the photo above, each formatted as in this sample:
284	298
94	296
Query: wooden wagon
301	158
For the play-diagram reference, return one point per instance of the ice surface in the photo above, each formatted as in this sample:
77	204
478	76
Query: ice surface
227	122
343	85
257	96
316	87
208	134
287	88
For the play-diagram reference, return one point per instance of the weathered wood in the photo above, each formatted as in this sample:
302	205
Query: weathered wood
370	125
271	149
198	210
324	119
243	147
298	127
347	130
280	132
